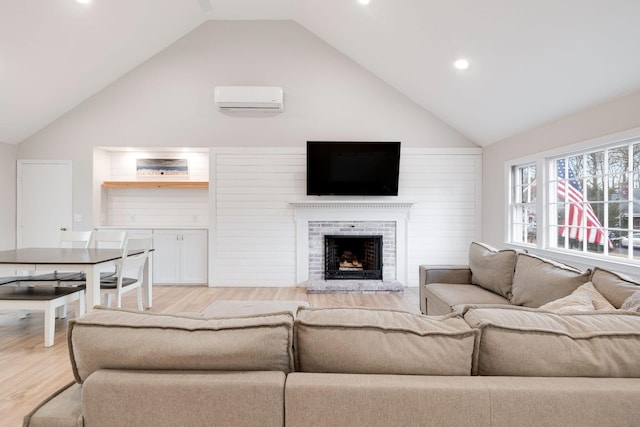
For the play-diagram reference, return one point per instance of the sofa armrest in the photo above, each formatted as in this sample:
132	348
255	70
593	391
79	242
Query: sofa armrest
452	274
63	408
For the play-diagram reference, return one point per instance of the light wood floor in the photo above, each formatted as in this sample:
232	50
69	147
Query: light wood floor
30	372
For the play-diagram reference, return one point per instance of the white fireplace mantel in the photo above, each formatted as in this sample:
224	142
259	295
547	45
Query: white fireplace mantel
350	210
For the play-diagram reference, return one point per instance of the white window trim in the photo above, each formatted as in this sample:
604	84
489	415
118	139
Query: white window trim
577	259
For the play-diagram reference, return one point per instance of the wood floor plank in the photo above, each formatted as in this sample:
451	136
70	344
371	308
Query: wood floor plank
30	372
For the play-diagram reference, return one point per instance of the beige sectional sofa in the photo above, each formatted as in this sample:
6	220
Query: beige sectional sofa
350	367
511	277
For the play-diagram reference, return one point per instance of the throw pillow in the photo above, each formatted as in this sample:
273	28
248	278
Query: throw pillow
632	303
614	286
492	269
538	281
580	303
599	301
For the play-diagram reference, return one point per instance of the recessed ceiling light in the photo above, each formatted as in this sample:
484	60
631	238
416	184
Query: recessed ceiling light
83	1
363	1
461	64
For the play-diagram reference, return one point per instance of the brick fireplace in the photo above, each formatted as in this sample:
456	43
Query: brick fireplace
319	230
315	220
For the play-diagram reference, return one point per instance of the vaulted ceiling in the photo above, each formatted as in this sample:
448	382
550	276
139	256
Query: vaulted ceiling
531	62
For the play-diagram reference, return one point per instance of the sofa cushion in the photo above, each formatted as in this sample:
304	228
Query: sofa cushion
585	298
376	341
357	400
183	399
442	297
119	339
516	341
572	303
632	303
599	301
491	268
538	281
614	286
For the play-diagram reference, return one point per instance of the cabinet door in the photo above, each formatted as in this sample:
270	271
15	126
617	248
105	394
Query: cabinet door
194	257
166	256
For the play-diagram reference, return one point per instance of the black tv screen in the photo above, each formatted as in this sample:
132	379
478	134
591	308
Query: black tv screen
352	168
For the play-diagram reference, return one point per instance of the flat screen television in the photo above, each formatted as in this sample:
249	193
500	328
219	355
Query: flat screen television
347	168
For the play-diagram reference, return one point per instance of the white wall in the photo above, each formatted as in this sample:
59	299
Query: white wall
8	155
254	231
168	101
609	118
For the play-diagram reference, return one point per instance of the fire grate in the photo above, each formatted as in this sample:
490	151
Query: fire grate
353	257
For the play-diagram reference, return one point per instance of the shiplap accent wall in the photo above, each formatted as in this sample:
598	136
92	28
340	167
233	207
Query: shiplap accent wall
157	207
447	191
254	242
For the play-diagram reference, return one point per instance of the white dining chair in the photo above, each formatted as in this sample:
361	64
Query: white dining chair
119	284
108	239
75	239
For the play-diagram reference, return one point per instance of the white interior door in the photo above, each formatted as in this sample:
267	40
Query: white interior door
44	202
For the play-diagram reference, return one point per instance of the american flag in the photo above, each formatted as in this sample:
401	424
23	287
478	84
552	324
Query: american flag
580	217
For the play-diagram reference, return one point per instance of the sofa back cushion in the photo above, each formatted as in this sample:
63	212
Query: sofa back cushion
538	281
118	339
376	341
516	341
492	269
614	286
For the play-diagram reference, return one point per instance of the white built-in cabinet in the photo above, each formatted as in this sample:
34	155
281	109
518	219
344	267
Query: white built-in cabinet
180	257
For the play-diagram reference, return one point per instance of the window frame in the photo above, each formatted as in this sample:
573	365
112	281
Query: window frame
543	161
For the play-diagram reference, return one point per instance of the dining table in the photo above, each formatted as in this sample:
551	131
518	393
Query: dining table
91	261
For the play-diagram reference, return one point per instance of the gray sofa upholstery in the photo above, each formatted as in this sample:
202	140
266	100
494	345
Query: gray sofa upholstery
496	365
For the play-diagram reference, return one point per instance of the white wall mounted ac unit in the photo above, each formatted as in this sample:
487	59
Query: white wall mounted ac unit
249	98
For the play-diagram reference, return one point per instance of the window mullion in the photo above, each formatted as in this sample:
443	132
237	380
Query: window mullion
605	198
582	231
542	200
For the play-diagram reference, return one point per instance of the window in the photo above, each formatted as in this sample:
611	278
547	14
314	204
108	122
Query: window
523	208
591	206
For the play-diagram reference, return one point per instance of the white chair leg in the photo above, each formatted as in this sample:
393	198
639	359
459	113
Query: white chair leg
139	296
49	325
119	300
107	300
82	304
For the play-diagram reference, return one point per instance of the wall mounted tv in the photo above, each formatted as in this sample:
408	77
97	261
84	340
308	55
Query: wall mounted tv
347	168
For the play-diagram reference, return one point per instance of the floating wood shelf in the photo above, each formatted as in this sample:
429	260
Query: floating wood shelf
155	184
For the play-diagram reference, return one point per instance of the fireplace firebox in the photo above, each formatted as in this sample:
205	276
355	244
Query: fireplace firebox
353	257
